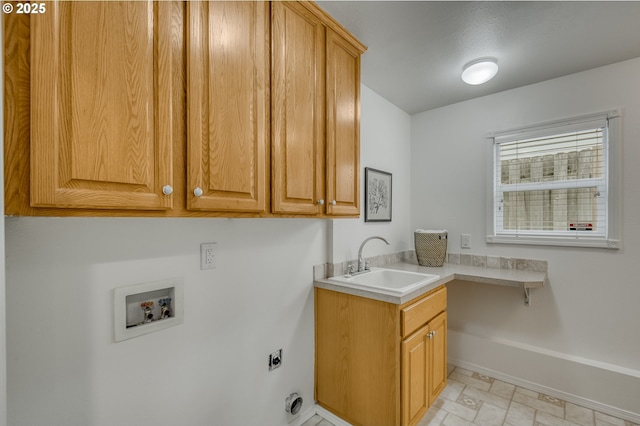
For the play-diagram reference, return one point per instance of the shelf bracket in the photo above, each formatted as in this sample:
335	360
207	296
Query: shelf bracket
527	296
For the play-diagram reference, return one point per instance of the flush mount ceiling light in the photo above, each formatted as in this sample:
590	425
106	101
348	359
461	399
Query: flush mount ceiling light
480	71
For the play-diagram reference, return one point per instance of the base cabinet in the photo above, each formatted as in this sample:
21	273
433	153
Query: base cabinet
379	363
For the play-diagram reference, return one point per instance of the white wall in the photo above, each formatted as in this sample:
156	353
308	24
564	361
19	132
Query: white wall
588	313
385	141
64	367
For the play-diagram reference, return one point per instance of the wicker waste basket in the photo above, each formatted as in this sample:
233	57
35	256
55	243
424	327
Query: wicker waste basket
431	247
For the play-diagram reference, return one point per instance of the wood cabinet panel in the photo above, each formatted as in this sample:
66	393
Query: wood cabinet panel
343	126
424	368
228	105
438	366
101	105
357	358
415	376
298	70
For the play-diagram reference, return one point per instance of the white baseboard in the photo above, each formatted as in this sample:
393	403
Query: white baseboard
322	412
602	387
304	416
328	415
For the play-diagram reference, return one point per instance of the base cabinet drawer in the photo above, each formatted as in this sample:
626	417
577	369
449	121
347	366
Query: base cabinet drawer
420	312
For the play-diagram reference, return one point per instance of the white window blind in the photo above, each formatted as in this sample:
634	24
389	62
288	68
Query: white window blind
551	184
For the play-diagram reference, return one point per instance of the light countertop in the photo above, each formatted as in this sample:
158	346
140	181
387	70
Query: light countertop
448	272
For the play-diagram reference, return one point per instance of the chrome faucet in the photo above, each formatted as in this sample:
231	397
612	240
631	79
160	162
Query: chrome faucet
361	264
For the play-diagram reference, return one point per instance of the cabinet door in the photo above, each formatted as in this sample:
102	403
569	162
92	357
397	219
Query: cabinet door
438	366
298	93
101	105
415	387
343	126
228	105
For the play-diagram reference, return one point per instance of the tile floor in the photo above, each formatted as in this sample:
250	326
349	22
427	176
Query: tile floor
471	399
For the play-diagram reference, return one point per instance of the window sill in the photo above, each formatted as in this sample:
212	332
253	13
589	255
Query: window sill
554	241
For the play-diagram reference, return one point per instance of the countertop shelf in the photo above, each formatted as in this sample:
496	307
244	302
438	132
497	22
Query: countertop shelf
526	280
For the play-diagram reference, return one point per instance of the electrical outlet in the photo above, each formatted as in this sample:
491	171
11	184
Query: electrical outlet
208	255
465	241
275	359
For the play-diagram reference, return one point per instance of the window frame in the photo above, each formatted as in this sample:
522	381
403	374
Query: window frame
610	237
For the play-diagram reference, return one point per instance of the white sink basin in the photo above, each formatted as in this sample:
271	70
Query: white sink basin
387	281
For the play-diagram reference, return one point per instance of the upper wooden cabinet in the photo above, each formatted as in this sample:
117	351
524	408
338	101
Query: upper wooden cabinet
101	106
315	113
154	108
228	105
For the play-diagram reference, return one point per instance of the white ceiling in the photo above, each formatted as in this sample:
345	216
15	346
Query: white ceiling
417	48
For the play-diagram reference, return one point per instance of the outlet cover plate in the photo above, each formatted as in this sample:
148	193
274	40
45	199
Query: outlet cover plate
275	359
465	241
208	255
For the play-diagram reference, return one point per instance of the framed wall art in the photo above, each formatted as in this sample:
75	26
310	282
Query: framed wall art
377	201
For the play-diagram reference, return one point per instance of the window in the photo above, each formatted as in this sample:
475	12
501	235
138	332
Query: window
557	183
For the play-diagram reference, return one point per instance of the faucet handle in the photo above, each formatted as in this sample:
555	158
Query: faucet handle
351	269
367	265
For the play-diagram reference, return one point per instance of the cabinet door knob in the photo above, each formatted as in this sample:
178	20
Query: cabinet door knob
333	202
167	190
320	202
197	192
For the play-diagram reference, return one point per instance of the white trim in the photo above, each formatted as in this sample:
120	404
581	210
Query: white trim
322	412
554	184
609	233
560	241
304	416
490	188
543	128
328	415
614	192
